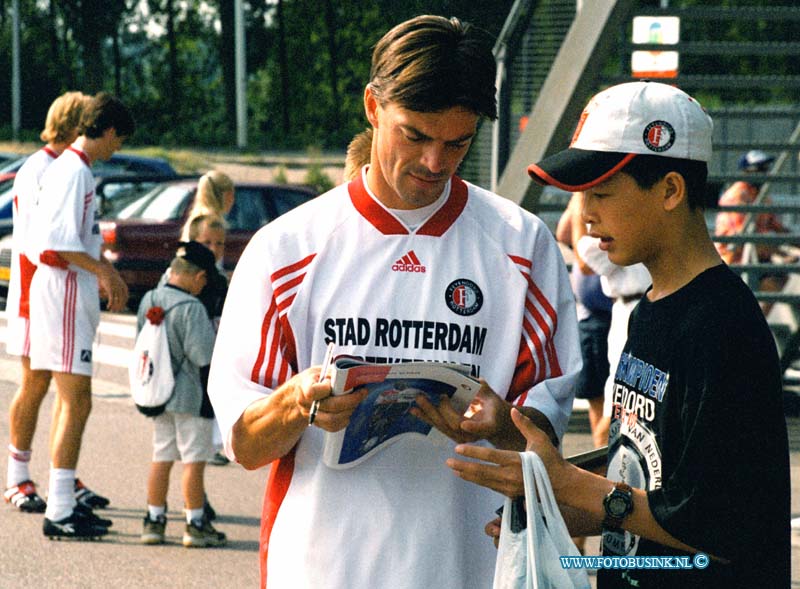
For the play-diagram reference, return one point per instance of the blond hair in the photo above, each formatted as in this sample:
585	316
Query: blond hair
359	152
63	117
211	189
194	224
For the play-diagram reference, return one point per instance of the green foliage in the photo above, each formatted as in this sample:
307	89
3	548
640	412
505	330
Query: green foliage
180	96
315	175
281	176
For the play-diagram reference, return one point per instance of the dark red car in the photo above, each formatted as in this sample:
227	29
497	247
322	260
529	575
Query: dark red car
141	240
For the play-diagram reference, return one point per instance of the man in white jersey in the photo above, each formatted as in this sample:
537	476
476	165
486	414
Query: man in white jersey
64	302
61	129
405	262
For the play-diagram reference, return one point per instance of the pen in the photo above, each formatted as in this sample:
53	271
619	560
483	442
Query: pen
325	363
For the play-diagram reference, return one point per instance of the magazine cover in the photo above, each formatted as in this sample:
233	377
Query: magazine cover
385	415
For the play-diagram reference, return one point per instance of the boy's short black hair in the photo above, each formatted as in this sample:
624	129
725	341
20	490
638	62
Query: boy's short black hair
646	170
105	111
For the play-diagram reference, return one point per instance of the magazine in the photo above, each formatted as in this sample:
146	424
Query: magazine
593	460
384	415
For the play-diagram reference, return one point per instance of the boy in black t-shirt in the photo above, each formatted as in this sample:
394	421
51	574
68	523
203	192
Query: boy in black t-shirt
698	459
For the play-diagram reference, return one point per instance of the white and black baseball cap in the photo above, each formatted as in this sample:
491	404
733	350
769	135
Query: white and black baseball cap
622	122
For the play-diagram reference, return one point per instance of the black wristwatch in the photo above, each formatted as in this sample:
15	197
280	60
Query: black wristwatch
618	505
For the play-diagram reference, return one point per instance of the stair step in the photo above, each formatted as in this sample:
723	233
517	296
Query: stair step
781	13
777	209
697	81
762	238
722	48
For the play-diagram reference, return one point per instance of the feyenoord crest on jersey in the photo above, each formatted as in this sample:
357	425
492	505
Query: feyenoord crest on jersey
659	136
463	297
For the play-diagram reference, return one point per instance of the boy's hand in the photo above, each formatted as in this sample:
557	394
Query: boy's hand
487	418
501	470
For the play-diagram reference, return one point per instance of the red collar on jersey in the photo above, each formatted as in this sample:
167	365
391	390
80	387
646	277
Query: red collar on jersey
81	155
384	222
50	152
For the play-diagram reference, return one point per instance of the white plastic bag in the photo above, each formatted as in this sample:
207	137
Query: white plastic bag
530	559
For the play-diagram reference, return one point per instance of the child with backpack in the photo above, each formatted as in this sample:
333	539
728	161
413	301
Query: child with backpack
184	430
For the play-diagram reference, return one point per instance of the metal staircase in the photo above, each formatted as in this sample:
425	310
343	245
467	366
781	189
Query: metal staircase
589	48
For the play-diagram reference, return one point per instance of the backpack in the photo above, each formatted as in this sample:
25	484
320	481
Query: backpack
150	369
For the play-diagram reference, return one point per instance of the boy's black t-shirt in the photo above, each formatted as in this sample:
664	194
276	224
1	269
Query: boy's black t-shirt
698	422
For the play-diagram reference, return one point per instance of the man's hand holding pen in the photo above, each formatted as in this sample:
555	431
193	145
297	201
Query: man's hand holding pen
326	411
333	412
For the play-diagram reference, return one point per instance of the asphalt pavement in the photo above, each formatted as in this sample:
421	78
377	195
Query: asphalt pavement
114	462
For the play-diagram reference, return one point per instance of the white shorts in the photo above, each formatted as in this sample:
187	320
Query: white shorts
65	312
181	436
18	340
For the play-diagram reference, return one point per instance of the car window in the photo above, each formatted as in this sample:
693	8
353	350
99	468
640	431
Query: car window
165	203
122	164
249	210
285	200
100	168
115	196
132	210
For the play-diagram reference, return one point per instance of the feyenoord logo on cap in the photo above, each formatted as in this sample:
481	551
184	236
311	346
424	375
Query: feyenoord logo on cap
463	297
659	136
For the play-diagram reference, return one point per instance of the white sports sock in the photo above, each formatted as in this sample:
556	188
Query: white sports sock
153	511
193	515
61	494
18	461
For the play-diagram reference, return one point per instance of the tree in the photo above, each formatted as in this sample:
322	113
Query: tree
227	53
333	56
93	22
173	62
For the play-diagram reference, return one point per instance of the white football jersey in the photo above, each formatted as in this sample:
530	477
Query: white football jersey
26	191
480	282
65	215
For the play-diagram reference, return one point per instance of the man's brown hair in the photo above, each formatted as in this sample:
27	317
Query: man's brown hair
105	111
431	63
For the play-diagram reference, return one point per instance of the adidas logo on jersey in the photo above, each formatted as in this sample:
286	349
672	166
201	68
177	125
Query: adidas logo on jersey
408	263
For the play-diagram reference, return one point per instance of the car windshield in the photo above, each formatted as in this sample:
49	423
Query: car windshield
164	203
116	195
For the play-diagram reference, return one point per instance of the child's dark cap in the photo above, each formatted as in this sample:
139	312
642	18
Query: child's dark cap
199	255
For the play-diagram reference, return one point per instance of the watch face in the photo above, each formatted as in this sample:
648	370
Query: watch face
617	506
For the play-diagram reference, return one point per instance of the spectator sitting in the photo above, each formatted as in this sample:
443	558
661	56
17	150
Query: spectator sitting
733	223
